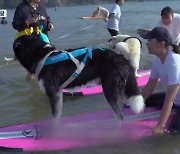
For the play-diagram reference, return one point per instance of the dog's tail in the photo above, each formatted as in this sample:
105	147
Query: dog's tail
134	98
136	103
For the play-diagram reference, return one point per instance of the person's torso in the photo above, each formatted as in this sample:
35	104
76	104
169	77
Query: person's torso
113	21
165	74
174	29
28	10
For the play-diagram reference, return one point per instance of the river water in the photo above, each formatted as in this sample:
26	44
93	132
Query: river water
22	101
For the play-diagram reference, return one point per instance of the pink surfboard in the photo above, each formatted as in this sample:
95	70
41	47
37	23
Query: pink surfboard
97	89
98	128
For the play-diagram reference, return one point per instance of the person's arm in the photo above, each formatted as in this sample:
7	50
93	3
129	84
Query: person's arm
50	26
149	88
166	110
111	15
19	20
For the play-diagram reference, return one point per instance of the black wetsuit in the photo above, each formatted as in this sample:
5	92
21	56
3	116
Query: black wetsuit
24	11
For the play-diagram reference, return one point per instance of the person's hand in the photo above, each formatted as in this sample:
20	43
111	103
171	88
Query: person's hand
158	130
31	20
50	26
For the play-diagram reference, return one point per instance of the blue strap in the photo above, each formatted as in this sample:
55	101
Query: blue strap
64	56
88	55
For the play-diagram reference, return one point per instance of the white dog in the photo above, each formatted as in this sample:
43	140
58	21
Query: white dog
128	46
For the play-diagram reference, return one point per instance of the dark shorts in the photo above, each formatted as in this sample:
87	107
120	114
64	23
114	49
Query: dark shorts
157	100
113	32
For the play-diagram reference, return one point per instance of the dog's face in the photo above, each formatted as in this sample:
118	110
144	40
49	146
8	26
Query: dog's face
29	50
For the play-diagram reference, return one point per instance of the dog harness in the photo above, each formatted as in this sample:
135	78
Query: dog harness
64	55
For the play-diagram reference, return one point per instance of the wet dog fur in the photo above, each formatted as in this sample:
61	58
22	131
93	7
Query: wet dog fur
128	46
113	71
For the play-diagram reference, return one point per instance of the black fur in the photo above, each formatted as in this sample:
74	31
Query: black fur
114	71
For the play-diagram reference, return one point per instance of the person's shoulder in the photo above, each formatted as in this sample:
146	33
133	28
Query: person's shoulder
115	5
21	5
156	59
174	58
41	5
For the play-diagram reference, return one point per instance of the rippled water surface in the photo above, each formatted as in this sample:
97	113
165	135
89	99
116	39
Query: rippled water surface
22	101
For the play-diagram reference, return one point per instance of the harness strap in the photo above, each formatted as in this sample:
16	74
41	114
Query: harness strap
41	63
133	37
79	67
76	61
65	56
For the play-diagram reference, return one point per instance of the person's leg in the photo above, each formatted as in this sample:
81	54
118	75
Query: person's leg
174	126
156	100
113	32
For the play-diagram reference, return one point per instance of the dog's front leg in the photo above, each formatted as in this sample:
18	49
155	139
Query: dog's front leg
58	108
59	104
56	103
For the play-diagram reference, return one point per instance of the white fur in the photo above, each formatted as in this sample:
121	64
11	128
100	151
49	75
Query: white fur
59	104
136	103
93	82
47	46
119	38
131	48
41	85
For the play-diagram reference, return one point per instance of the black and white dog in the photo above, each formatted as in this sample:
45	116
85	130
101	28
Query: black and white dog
113	71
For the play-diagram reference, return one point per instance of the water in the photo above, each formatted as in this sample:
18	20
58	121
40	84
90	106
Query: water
22	101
